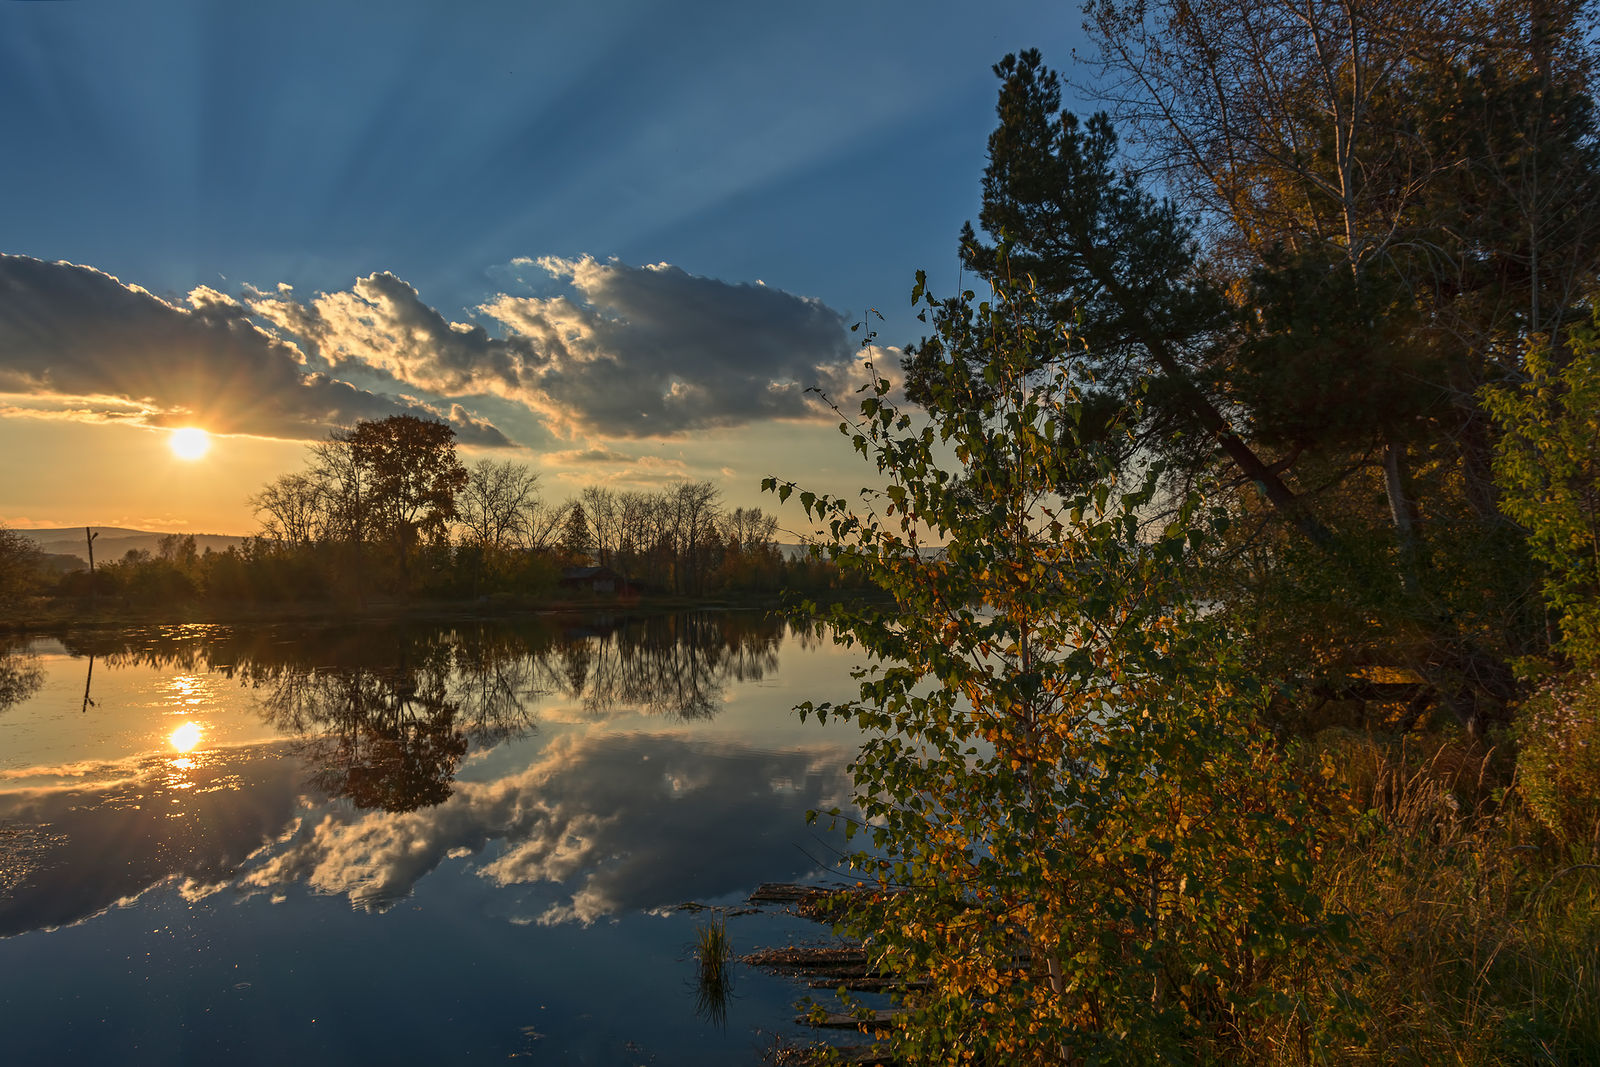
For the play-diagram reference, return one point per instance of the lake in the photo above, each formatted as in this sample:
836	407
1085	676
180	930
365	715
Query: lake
407	843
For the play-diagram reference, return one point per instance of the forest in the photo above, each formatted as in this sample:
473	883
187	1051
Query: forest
1249	712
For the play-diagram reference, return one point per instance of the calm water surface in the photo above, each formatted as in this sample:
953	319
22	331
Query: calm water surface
404	844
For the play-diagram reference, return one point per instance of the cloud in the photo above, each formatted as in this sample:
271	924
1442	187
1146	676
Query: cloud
79	342
589	455
628	352
622	352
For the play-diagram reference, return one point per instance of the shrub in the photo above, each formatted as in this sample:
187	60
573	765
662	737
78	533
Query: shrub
1558	770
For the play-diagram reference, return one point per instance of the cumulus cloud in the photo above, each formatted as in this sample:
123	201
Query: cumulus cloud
79	342
623	352
629	351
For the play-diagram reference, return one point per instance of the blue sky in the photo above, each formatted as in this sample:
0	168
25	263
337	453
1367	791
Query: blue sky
625	230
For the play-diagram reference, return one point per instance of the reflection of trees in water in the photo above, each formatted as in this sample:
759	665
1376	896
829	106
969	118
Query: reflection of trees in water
384	743
677	665
387	713
20	674
388	724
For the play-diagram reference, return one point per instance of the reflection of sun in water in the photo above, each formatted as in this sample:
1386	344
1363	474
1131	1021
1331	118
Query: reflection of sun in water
184	689
189	443
185	737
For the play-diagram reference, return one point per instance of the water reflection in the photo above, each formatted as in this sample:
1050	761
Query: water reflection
72	851
596	826
387	714
388	737
20	673
185	737
625	804
671	665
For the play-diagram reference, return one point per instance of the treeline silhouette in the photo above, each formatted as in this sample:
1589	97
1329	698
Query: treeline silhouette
385	510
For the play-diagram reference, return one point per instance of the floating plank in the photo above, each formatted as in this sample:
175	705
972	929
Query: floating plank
785	893
808	957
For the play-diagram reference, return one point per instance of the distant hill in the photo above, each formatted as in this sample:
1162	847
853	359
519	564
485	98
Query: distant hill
115	542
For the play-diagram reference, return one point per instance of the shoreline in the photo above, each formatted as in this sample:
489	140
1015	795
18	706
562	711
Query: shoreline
47	615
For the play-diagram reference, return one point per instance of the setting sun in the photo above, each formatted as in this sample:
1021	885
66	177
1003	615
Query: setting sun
191	443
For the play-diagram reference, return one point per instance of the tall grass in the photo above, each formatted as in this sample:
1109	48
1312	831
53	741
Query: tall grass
1476	938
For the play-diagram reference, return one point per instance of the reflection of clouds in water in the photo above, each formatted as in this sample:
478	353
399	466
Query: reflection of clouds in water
76	849
619	822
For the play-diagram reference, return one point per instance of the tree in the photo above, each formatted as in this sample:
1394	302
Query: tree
1548	464
411	477
541	525
1105	254
294	509
1084	845
600	507
19	564
495	501
749	529
694	509
1441	155
577	540
1312	352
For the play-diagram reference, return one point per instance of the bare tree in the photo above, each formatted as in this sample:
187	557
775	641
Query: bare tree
541	525
495	502
600	505
292	509
694	512
749	528
345	492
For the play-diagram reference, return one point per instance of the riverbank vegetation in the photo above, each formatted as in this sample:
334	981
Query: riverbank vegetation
1249	713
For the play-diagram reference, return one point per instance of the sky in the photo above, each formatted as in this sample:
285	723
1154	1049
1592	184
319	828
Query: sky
615	241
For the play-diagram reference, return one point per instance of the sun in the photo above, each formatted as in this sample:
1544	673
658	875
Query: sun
189	443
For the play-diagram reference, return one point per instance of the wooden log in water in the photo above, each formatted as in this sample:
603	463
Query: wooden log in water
864	1055
843	1020
865	983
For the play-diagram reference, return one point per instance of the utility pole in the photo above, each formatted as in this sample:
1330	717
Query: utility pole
89	537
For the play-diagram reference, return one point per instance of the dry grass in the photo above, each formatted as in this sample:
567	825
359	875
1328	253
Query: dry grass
1474	942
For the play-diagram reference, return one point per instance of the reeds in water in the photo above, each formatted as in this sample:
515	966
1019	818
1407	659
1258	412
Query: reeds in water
714	971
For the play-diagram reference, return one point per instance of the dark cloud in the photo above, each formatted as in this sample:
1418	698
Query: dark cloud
593	455
631	352
91	345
